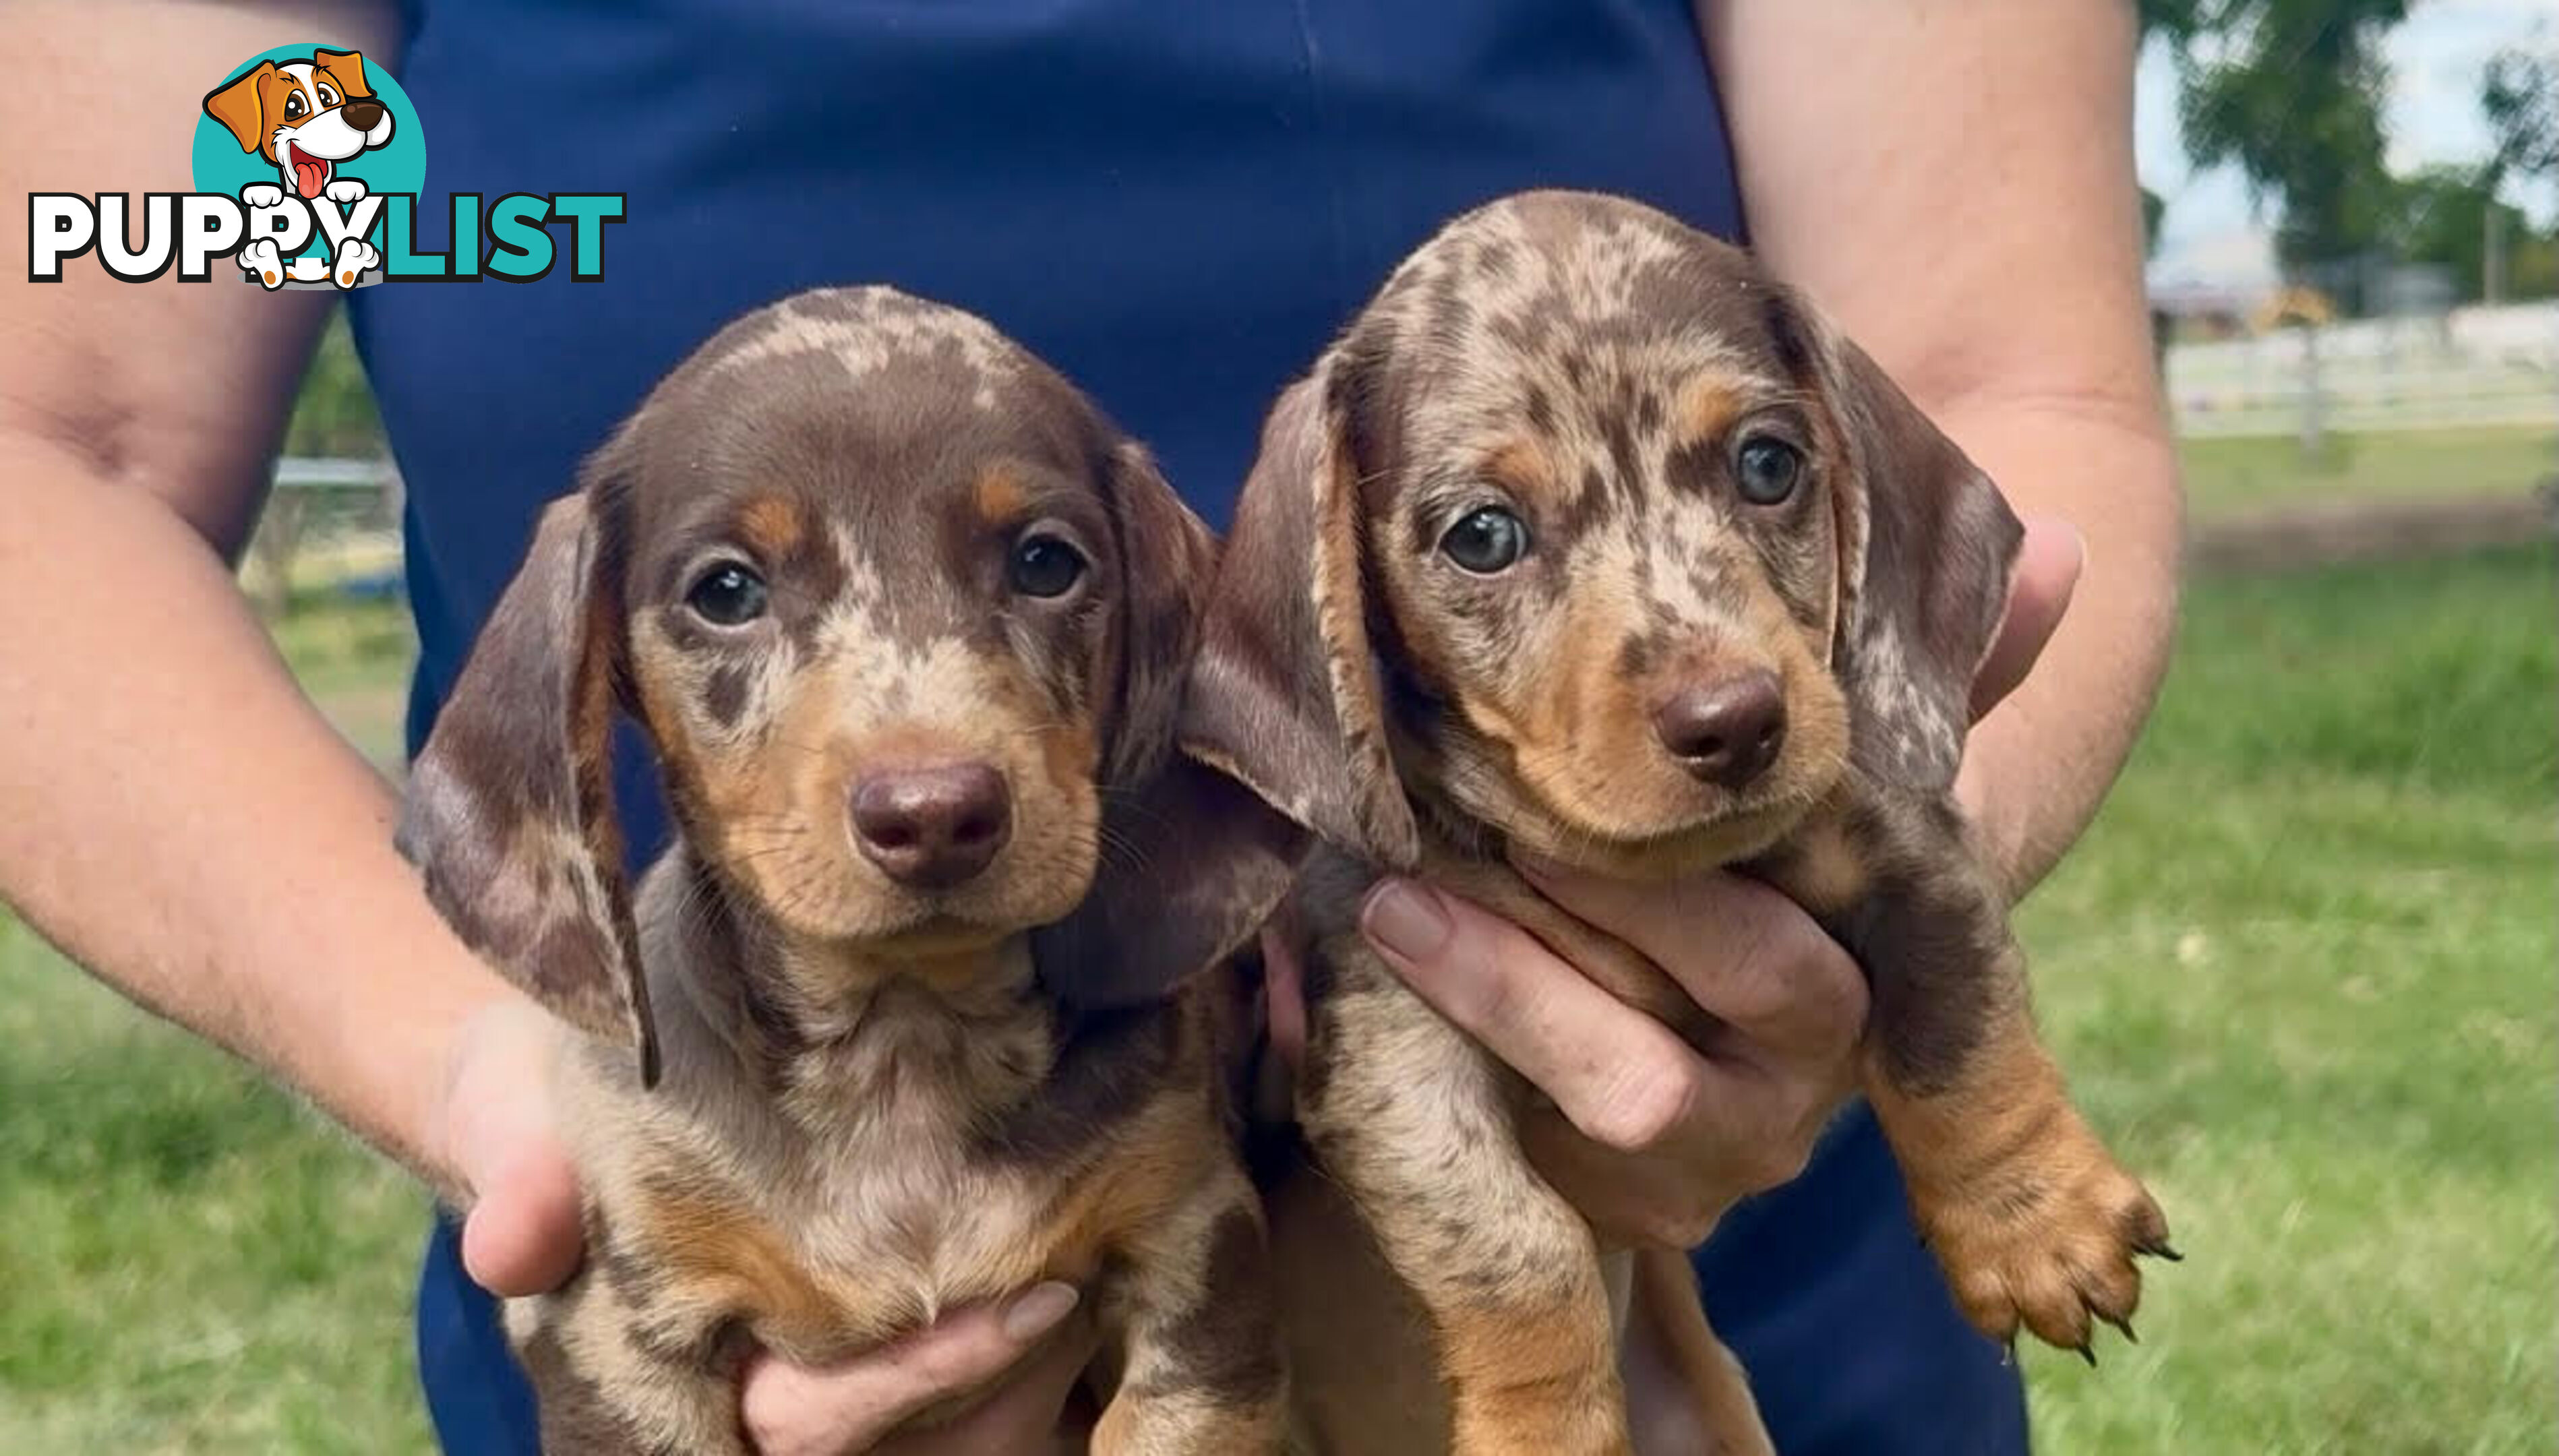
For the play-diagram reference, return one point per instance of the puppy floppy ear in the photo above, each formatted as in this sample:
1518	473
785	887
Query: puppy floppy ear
1927	547
348	67
1286	693
239	105
510	810
1166	559
1190	864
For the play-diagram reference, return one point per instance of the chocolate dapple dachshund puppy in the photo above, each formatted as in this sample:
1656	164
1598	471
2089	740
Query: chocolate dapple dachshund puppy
1586	539
907	1017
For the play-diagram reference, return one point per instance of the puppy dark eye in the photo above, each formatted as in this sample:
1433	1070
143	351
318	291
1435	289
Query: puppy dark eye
1044	566
1767	469
293	105
731	594
1485	540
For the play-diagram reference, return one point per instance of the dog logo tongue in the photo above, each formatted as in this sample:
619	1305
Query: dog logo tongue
310	174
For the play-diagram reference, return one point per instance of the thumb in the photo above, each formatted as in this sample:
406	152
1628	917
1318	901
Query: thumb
797	1410
523	1234
2048	562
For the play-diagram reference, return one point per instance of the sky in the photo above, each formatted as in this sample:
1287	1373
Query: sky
2436	59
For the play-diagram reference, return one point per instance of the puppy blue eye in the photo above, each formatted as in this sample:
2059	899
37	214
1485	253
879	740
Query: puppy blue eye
1485	540
1767	469
1044	566
729	594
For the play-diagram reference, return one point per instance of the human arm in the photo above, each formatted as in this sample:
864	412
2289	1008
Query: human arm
183	822
180	818
1953	182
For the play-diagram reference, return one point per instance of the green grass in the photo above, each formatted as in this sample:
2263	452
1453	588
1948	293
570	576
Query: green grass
354	658
191	1261
2300	972
337	646
2237	477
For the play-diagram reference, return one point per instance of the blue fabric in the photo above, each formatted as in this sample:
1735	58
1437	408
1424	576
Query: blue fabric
1177	202
475	1392
1853	1342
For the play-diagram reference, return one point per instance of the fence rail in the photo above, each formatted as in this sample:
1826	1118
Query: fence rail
2472	367
330	524
333	524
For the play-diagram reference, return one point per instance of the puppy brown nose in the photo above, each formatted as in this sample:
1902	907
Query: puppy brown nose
933	827
362	114
1725	732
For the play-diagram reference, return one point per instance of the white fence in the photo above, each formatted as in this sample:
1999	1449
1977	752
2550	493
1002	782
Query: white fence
330	524
2472	366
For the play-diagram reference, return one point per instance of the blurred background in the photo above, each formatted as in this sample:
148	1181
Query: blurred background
2302	969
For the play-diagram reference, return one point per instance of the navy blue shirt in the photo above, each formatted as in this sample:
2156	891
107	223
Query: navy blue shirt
1176	202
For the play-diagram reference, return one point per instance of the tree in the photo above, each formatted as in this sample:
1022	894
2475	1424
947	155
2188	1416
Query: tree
334	414
2520	96
2291	93
2443	215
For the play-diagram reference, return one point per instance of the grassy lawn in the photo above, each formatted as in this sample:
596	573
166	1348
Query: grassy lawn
192	1262
2300	971
2235	477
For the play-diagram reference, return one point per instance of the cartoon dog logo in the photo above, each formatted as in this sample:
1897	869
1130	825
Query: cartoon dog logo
306	117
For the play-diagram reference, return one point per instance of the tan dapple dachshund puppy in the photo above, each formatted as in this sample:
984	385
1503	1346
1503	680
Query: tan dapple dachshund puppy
907	1018
1588	540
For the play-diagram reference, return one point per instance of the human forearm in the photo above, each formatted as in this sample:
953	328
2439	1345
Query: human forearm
182	823
2039	764
1953	182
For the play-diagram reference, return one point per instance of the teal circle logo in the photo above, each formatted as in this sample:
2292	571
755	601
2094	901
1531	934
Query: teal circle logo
328	126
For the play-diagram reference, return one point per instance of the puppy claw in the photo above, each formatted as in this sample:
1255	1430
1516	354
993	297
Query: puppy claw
2120	1323
2047	1239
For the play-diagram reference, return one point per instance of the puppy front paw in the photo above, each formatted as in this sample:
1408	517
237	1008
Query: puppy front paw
263	194
344	189
2049	1241
355	255
263	262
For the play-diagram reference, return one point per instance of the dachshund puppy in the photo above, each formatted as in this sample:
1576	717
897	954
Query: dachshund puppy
905	1019
1588	540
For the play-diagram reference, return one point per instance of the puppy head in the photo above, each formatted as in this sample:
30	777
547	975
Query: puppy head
904	618
1617	549
305	116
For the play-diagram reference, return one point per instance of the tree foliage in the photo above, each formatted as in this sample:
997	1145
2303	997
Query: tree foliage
2520	95
2291	93
2441	216
334	414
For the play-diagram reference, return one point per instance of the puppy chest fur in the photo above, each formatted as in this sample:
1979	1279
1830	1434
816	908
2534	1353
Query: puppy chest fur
913	1015
1623	558
823	1197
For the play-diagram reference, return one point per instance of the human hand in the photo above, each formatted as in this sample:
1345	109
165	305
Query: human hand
495	1131
1650	1137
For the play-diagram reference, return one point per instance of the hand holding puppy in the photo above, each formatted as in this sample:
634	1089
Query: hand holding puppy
1652	1139
522	1237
